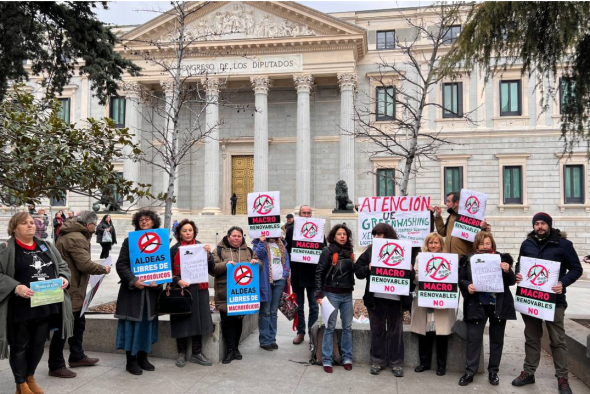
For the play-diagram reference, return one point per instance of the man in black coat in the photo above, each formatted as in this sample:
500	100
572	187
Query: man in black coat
303	279
548	243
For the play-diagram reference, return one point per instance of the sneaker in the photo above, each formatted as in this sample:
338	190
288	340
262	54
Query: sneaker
465	380
201	360
62	373
398	372
563	386
348	366
328	369
375	369
523	379
298	339
85	362
181	360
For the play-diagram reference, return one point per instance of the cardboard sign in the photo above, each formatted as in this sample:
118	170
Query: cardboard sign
149	252
391	262
472	211
264	215
94	282
243	289
308	240
534	296
438	278
193	264
408	215
47	292
486	273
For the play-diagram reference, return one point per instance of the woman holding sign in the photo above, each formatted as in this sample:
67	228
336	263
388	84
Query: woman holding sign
199	322
26	261
334	280
230	250
478	307
136	304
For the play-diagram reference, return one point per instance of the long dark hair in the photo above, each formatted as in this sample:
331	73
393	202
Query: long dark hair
332	234
145	212
104	220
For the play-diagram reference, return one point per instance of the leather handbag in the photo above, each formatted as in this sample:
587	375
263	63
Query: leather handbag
288	304
460	327
175	301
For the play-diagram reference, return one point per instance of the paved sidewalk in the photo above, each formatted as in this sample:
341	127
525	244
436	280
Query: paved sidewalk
285	371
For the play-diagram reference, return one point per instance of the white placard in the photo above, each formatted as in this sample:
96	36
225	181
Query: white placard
94	283
391	261
308	240
438	277
327	310
534	296
264	215
473	204
486	273
193	264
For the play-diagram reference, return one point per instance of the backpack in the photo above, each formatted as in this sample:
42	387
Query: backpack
317	338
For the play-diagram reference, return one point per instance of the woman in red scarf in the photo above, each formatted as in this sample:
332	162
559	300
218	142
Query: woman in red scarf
199	322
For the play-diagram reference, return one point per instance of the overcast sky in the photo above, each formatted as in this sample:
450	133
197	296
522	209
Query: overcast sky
128	12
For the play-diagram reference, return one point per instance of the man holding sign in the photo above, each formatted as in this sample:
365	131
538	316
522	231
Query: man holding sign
547	243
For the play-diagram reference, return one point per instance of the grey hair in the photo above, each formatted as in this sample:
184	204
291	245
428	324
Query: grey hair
87	217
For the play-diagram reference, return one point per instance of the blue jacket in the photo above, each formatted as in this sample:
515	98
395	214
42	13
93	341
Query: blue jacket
556	248
260	250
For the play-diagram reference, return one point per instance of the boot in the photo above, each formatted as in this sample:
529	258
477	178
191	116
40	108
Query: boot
201	360
33	385
143	362
23	388
229	356
132	366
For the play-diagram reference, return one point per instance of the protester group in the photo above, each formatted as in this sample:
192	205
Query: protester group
406	264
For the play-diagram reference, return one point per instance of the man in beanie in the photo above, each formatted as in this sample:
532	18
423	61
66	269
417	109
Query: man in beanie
290	222
548	243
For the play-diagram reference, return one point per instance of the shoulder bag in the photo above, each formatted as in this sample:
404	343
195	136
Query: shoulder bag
175	301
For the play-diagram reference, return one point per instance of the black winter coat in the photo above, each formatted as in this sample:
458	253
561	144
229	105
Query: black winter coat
100	232
472	309
362	271
340	276
556	248
302	274
131	301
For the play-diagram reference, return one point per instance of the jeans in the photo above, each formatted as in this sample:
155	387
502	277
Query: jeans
387	333
314	308
56	348
475	331
342	303
27	343
267	317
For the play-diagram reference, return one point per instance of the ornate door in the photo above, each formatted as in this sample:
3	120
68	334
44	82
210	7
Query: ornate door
242	180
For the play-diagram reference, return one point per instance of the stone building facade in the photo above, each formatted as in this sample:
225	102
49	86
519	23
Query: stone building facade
303	71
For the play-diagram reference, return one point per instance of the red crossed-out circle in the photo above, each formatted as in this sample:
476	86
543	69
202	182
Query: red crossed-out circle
261	201
541	274
472	205
443	262
243	275
307	228
149	243
397	250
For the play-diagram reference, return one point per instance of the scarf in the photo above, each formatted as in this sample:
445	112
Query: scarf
346	251
281	246
176	266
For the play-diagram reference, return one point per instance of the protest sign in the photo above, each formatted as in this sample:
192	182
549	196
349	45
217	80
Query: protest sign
391	261
534	296
409	216
264	215
472	211
94	282
193	264
46	292
149	252
438	277
243	289
486	273
327	309
308	240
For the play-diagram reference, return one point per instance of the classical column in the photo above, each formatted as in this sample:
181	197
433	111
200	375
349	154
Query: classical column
348	83
212	174
303	83
132	121
168	88
260	86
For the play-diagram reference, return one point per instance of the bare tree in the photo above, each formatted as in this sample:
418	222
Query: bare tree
170	140
403	89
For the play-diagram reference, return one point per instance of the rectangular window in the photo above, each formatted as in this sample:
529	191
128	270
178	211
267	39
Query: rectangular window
510	98
385	182
386	39
512	185
452	34
64	111
117	111
574	184
567	87
385	103
453	100
453	179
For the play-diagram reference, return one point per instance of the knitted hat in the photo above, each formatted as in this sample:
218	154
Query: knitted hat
289	216
544	217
